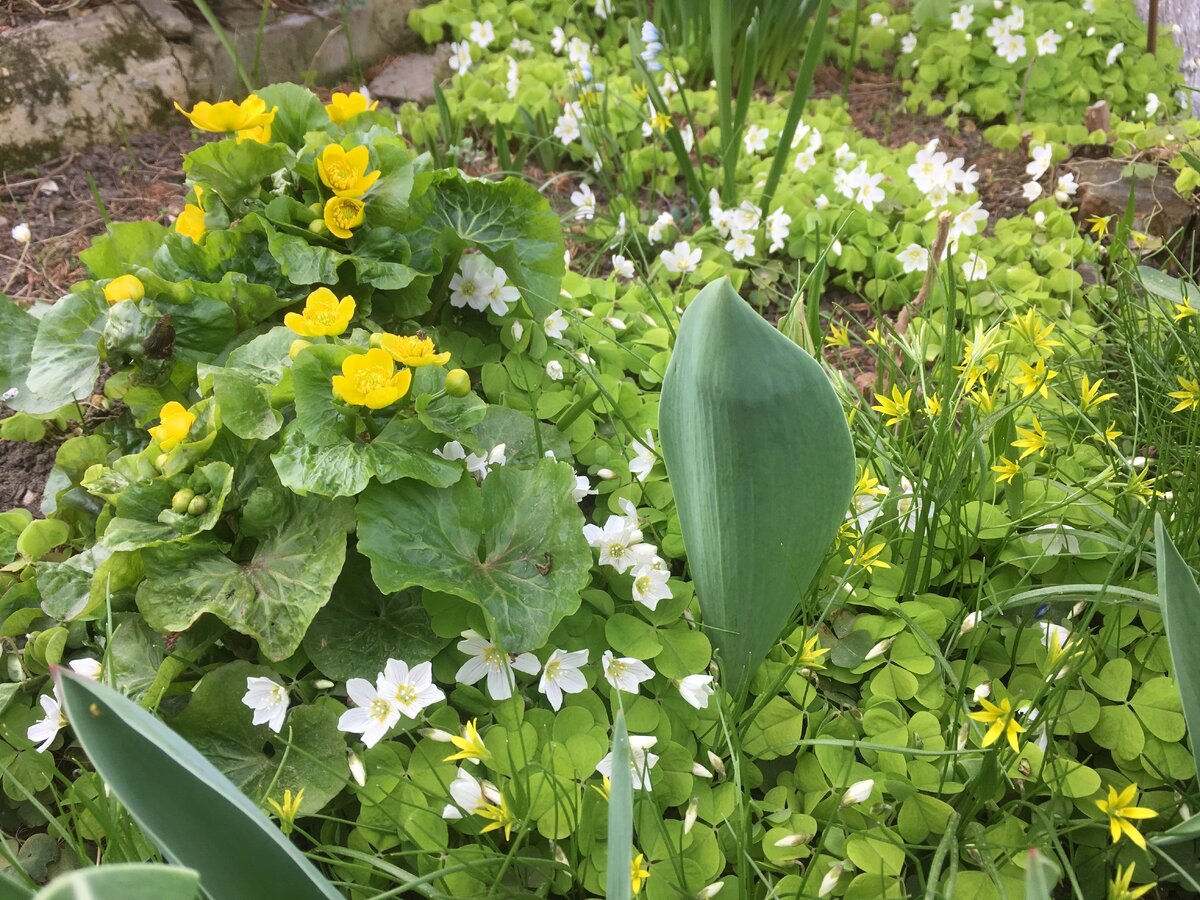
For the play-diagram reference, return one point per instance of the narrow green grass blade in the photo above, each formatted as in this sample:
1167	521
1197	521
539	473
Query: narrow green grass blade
762	468
808	68
1041	876
10	889
619	882
193	813
132	881
1180	599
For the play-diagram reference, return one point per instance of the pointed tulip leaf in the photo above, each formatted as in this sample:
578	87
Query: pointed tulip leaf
762	468
1180	599
513	545
128	881
239	853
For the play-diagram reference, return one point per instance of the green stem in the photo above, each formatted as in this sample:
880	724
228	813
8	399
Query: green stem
440	291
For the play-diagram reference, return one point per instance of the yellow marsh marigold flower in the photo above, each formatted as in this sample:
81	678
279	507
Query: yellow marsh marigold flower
287	810
896	406
470	745
1119	808
174	424
190	222
324	315
415	350
370	379
342	214
124	287
638	873
260	134
1003	721
1188	394
345	171
1121	887
228	116
346	106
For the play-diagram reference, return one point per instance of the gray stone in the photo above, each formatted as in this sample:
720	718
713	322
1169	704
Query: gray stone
1104	191
411	77
168	19
69	83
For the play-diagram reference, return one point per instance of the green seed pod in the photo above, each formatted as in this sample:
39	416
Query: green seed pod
317	226
198	506
160	461
458	383
183	497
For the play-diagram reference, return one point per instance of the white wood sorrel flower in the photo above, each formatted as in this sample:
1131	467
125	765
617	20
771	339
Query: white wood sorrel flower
561	675
489	660
641	761
268	699
625	673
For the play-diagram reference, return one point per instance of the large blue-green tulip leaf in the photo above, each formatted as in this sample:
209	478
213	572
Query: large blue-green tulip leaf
195	815
762	469
1180	599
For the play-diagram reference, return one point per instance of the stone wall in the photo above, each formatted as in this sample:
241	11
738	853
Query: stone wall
72	82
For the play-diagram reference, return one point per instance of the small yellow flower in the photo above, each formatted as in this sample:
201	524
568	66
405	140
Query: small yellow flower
811	653
1006	470
1119	808
982	398
639	91
1089	394
342	215
370	379
638	873
1003	721
324	315
1188	394
1033	379
1184	311
174	424
414	350
874	336
1141	486
345	171
979	357
228	116
1099	225
500	816
933	406
1110	434
346	106
868	559
896	406
190	222
1121	886
661	123
287	810
470	745
868	484
839	336
1032	440
605	787
1035	331
124	287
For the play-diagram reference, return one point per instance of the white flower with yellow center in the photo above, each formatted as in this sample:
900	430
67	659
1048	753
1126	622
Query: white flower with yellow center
410	689
625	673
374	712
486	659
561	675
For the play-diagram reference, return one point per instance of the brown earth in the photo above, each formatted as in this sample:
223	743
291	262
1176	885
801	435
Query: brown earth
23	472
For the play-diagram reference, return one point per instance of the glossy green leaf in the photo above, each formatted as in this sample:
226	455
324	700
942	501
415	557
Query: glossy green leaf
258	761
271	597
513	545
508	220
17	332
762	468
126	881
192	812
1180	599
66	351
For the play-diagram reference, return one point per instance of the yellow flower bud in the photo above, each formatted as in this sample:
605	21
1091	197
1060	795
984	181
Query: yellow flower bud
297	345
124	287
458	383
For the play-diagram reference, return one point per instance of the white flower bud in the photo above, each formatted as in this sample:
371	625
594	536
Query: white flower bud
606	474
879	649
357	770
517	330
689	818
21	234
969	622
829	882
700	772
793	840
711	891
858	792
717	763
436	734
322	684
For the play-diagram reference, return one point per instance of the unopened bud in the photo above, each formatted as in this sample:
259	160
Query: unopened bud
689	818
793	840
322	684
717	763
711	891
436	734
700	772
357	770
